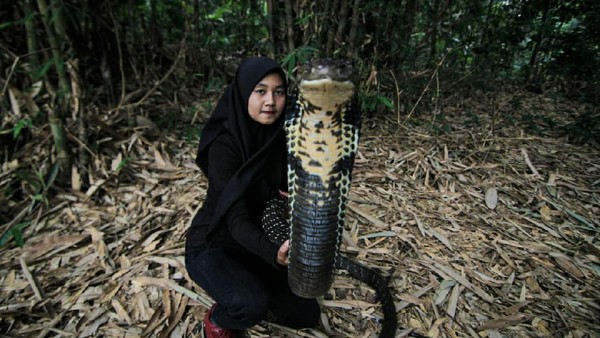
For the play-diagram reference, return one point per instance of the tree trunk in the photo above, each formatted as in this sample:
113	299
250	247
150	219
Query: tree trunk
342	21
58	19
289	22
55	116
270	26
531	76
354	29
409	17
32	42
331	32
55	47
434	30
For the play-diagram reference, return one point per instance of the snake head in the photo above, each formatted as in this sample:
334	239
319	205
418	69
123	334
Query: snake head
326	68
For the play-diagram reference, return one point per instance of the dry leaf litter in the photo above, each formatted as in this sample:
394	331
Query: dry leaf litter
481	234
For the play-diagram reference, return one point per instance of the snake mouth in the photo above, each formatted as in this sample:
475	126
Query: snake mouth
327	68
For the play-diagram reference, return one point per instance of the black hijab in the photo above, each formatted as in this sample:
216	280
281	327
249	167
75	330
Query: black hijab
256	143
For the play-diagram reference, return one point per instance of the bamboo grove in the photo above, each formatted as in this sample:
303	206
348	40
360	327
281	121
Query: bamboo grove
66	63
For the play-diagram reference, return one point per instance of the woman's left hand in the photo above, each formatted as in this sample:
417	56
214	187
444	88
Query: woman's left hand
282	253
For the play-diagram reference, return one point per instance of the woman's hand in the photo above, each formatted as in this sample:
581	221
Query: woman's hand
282	253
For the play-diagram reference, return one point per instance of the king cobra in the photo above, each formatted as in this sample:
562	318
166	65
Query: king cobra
322	126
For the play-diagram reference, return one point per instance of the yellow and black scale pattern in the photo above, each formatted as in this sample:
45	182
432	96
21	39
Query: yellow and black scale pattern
322	140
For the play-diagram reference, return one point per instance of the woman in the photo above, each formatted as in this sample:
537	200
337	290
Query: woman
242	152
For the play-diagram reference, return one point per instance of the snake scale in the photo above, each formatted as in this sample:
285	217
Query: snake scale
322	126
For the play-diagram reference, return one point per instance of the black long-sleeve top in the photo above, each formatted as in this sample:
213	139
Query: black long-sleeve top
240	227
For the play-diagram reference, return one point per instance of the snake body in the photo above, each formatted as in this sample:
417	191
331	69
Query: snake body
277	229
322	131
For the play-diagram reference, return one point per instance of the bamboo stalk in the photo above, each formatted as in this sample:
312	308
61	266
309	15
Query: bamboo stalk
55	120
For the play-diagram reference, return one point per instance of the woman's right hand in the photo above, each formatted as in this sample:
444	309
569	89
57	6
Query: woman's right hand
282	253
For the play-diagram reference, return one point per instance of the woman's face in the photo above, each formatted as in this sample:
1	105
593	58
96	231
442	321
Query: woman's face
267	100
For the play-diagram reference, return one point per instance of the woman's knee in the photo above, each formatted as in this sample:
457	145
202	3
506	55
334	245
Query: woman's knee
247	310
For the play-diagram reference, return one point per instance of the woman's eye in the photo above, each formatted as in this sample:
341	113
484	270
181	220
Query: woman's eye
260	91
279	92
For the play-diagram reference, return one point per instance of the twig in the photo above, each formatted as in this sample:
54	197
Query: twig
529	164
39	293
168	284
437	68
12	70
158	83
398	92
120	52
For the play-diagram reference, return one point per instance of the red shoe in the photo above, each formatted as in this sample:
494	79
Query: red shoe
211	330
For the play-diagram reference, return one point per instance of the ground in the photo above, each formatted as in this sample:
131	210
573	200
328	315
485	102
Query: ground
487	229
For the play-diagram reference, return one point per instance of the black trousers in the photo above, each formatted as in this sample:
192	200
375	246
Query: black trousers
245	288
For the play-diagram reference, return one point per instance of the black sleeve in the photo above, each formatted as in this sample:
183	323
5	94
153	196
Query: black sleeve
224	161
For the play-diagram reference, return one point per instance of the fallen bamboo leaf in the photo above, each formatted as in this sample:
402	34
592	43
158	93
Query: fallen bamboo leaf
564	262
453	301
513	309
347	304
167	284
503	322
410	299
440	237
442	292
378	234
120	310
462	280
491	198
543	226
529	164
413	297
545	213
363	213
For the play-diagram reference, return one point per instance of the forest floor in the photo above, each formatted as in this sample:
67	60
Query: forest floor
485	230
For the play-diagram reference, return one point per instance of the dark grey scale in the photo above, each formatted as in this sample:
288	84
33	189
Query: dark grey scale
314	163
310	108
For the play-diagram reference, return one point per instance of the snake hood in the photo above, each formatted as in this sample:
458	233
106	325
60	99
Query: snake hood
259	145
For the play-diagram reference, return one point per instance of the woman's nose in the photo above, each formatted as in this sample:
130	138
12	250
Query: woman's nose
270	98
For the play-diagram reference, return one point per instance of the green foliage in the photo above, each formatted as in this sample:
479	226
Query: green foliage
472	119
537	123
38	183
16	233
439	124
297	56
19	126
586	127
43	69
8	24
123	163
373	102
